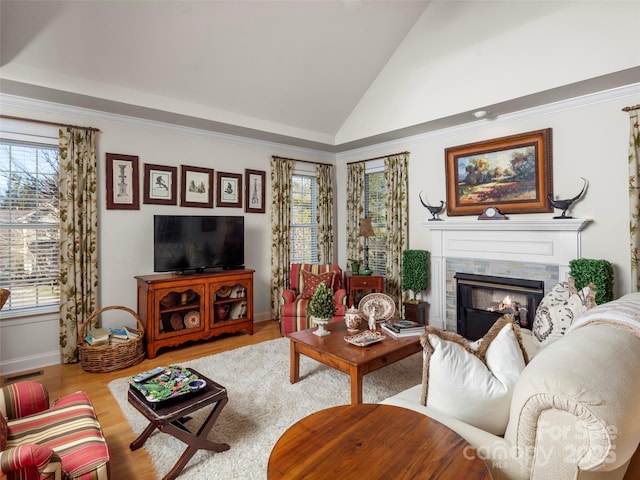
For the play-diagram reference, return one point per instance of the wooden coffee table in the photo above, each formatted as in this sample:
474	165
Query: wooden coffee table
170	419
356	362
376	442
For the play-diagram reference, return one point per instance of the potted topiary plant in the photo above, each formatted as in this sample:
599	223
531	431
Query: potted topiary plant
599	272
416	269
321	308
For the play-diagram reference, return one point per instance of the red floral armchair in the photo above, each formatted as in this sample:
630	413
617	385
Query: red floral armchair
304	279
38	442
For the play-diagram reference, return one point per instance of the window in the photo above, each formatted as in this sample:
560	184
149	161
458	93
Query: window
29	224
375	195
304	227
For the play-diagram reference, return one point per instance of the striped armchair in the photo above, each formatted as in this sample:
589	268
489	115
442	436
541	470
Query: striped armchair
63	442
303	280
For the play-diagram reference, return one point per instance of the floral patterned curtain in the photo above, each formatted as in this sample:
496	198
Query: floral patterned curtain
634	197
397	183
78	235
324	174
355	210
281	173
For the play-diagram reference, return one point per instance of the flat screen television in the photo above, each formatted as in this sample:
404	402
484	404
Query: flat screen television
197	242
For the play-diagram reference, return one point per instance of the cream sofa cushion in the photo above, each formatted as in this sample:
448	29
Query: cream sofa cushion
473	382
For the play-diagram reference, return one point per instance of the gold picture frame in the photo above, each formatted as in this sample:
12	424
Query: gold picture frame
514	174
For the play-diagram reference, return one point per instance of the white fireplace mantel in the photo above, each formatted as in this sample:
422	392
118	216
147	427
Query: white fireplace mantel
548	241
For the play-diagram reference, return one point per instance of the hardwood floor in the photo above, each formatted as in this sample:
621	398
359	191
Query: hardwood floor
62	379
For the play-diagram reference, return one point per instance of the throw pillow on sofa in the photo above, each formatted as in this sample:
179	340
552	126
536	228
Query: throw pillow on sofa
559	309
309	282
473	382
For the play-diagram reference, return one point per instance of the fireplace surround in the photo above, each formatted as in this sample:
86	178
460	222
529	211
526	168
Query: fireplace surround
536	249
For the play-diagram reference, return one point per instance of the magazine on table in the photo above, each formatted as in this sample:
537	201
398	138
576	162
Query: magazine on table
402	328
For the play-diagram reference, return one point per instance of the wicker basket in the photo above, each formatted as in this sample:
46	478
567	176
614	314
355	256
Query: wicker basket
4	296
109	358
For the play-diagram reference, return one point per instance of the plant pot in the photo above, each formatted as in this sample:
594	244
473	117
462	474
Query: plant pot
417	312
321	322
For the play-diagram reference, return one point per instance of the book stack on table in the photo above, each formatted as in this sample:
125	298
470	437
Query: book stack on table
402	328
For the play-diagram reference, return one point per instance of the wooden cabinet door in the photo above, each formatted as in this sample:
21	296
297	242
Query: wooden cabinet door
179	310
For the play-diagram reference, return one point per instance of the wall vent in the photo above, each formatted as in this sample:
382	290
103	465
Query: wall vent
23	376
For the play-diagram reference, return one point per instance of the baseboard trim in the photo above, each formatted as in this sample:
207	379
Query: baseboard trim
33	362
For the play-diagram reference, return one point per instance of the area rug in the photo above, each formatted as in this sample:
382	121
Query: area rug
262	405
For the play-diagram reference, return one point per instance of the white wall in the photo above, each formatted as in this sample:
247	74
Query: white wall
465	55
589	140
126	236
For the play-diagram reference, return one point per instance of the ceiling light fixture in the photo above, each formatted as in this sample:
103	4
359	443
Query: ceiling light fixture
480	113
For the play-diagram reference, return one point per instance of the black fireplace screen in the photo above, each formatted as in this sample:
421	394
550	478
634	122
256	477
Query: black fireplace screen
482	299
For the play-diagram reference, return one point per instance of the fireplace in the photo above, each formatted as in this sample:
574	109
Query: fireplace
482	299
539	248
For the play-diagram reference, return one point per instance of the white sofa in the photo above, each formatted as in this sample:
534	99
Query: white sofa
575	408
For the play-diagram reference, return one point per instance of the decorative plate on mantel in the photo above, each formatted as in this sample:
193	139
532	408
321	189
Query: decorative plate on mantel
380	304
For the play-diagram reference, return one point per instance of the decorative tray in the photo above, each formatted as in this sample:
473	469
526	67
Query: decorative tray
365	338
175	381
381	305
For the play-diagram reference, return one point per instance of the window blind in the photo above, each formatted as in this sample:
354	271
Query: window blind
304	227
29	224
375	209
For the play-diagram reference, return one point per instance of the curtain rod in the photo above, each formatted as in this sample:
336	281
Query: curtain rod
298	160
378	158
628	109
44	122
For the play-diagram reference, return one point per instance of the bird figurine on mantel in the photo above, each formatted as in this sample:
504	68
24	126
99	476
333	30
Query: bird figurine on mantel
564	205
435	210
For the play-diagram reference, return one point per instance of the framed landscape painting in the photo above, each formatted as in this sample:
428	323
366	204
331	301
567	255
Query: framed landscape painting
514	174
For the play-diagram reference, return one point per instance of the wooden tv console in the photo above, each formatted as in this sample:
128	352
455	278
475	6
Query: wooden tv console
177	308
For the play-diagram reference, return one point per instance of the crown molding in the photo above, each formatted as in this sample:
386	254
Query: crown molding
525	114
91	115
325	152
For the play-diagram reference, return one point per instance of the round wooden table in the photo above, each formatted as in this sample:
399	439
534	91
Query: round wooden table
373	441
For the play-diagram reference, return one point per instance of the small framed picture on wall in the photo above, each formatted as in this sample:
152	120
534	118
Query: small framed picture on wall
196	187
122	182
254	191
229	190
160	184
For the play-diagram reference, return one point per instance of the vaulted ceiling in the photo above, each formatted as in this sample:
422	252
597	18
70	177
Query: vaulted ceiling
287	71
